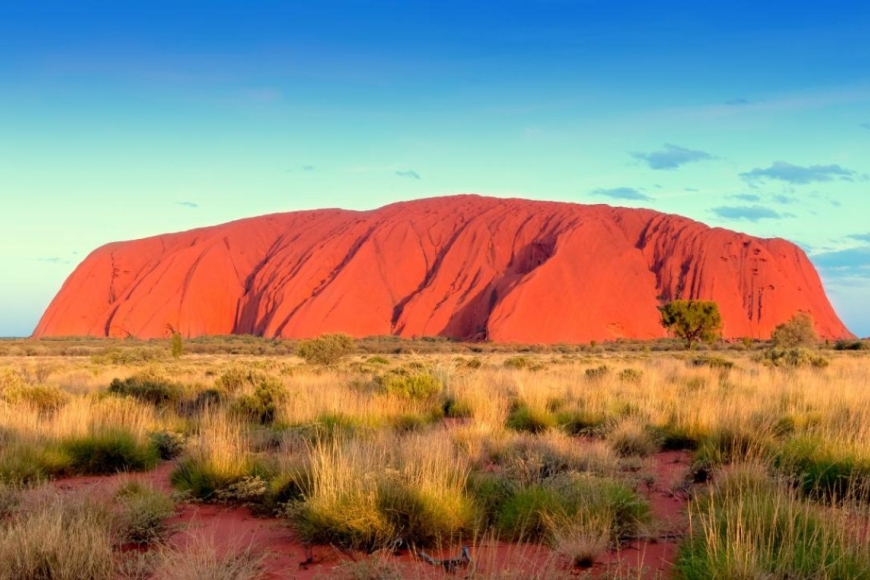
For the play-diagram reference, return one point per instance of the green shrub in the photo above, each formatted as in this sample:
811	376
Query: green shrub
630	375
798	332
168	444
176	345
528	459
522	516
674	437
749	527
142	513
325	350
377	360
517	362
399	510
714	362
44	398
410	422
150	387
597	373
419	386
852	345
822	472
631	438
525	418
262	405
331	426
729	444
474	363
422	517
528	513
577	422
794	358
456	408
109	451
237	378
490	491
28	463
197	477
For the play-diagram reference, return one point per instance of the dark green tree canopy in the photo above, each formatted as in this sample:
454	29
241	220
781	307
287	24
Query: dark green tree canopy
692	320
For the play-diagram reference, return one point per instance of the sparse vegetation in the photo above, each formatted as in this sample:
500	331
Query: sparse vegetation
428	449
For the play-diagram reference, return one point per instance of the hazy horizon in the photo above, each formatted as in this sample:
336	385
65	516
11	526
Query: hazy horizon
122	121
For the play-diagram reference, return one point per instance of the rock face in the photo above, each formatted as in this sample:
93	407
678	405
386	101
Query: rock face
466	267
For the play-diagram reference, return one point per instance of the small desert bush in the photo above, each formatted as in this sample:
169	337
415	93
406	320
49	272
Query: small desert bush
261	406
821	471
630	375
366	495
455	407
45	399
106	451
631	437
417	386
28	462
517	362
852	345
529	459
531	512
202	558
597	373
581	540
217	456
168	444
799	331
529	419
325	350
580	422
713	362
142	513
752	527
728	444
237	378
675	435
794	358
57	538
148	386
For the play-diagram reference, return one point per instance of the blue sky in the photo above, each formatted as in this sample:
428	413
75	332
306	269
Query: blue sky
121	120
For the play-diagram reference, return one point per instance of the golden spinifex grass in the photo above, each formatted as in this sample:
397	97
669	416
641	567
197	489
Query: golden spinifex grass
751	526
428	449
377	492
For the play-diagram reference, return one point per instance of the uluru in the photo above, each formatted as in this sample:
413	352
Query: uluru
464	267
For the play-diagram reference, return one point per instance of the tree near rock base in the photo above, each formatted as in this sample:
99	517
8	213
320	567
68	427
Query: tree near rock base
692	320
798	331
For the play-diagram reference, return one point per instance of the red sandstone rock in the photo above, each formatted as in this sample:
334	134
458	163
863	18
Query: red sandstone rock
466	267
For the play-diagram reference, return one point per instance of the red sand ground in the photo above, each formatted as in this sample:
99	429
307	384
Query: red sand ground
465	267
233	528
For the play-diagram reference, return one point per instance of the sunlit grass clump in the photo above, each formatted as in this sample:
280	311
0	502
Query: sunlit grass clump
369	495
750	526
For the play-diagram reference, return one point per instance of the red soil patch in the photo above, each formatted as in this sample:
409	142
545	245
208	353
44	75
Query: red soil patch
285	557
656	556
